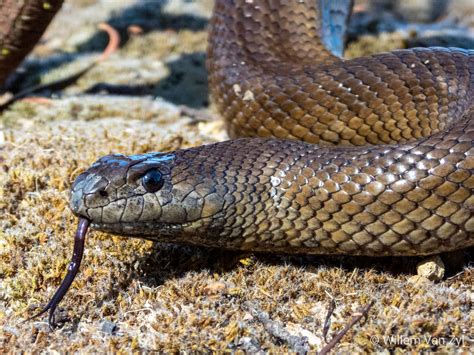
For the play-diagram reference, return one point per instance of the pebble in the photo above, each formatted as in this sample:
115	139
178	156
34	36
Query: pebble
432	268
108	327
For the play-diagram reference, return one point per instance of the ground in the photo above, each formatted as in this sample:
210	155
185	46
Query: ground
151	95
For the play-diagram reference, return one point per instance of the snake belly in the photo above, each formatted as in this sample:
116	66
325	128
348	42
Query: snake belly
400	181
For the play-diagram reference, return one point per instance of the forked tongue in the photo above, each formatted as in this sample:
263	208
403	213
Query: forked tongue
72	269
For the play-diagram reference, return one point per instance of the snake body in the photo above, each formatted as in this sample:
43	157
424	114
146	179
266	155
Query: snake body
399	183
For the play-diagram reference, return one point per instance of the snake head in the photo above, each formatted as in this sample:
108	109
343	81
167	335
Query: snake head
156	195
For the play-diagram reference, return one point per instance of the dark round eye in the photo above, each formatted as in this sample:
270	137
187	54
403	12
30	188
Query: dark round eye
153	180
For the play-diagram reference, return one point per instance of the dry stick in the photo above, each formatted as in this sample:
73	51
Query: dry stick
37	100
355	318
134	30
327	321
114	41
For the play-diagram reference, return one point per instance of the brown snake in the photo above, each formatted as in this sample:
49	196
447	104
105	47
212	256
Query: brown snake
399	183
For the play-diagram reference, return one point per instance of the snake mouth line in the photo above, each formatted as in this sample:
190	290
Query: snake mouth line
140	228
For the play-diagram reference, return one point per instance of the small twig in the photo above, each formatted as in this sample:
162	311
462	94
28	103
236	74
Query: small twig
456	275
327	321
38	100
114	41
134	30
355	318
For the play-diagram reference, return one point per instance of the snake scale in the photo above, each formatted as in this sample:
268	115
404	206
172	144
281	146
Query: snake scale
399	182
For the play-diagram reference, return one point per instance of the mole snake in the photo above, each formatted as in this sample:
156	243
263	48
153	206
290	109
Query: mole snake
399	182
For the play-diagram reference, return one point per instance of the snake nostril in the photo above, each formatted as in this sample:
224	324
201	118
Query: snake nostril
103	193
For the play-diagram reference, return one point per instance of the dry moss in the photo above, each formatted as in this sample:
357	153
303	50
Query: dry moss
163	297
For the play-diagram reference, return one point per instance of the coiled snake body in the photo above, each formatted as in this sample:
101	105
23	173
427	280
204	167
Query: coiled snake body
400	181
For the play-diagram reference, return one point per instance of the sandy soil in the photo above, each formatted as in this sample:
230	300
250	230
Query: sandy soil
152	95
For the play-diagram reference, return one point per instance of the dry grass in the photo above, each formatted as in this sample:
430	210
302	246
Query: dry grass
170	297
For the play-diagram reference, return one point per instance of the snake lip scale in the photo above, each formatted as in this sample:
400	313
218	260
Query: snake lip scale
399	182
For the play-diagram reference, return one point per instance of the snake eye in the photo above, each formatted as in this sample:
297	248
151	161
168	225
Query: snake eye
153	180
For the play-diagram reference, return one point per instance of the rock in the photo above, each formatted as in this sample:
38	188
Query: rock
432	268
